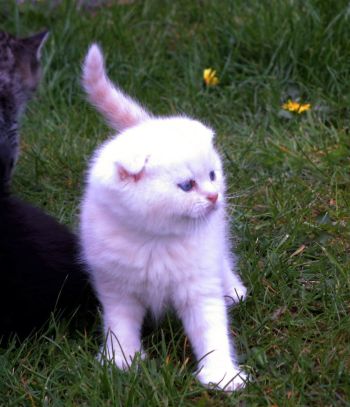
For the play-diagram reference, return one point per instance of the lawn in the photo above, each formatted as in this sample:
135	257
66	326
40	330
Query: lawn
288	186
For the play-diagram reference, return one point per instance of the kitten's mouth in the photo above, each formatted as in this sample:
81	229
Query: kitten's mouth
211	208
211	211
207	211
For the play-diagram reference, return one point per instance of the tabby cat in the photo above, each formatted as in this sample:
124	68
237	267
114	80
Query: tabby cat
39	268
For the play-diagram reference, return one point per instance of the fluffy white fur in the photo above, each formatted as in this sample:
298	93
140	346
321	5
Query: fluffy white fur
149	243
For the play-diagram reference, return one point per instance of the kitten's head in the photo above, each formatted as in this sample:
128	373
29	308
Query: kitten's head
19	71
163	175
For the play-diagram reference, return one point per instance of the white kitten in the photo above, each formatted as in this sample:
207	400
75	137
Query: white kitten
153	230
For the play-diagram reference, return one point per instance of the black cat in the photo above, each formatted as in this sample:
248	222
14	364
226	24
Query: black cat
39	268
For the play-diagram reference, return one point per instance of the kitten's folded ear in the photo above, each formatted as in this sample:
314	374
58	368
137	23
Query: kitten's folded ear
132	169
119	109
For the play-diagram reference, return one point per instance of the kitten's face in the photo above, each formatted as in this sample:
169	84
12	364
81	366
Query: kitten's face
163	172
19	71
182	192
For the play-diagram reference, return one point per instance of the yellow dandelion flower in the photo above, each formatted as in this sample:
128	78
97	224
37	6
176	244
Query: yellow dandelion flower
296	107
304	107
209	77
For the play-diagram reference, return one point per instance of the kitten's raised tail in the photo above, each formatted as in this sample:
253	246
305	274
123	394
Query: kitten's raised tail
119	109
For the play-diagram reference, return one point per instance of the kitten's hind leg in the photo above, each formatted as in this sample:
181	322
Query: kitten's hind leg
122	328
205	323
234	289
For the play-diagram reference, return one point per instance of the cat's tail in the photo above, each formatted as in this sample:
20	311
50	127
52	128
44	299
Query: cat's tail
119	109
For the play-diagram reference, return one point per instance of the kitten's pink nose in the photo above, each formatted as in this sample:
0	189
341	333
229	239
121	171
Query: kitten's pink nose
212	197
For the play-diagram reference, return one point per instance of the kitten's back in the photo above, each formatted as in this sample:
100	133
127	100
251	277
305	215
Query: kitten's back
40	270
6	165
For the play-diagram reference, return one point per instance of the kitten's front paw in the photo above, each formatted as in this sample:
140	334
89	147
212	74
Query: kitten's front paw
229	379
235	293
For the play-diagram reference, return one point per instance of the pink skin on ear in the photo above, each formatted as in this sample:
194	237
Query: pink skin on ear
126	175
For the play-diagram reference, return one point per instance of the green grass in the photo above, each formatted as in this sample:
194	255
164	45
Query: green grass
288	178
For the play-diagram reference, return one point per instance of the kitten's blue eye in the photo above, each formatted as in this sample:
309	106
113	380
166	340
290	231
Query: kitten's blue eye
212	176
187	185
